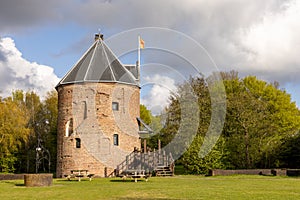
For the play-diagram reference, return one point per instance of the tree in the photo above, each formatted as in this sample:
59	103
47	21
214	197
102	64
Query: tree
42	124
195	121
50	111
195	164
154	122
145	114
13	132
259	117
288	153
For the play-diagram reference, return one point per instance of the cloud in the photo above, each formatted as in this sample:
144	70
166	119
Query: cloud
20	16
253	37
18	73
159	88
274	44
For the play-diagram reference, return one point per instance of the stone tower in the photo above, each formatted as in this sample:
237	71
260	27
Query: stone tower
98	102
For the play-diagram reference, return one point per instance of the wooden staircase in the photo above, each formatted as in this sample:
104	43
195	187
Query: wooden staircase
164	171
156	163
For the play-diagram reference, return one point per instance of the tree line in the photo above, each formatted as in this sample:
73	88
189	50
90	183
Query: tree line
261	128
25	119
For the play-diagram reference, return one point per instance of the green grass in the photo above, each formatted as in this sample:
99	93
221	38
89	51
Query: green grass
178	187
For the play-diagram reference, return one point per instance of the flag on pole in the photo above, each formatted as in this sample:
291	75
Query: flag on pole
142	43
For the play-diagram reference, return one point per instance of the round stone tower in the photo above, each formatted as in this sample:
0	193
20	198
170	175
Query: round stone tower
98	103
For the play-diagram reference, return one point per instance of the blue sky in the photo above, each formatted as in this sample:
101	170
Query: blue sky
41	40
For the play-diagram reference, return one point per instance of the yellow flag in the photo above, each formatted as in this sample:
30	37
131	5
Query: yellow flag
142	43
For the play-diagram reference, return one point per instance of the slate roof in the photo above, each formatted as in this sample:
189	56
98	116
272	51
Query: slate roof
99	64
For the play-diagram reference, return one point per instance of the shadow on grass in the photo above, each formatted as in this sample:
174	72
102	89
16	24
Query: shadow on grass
15	184
124	181
20	184
73	180
146	198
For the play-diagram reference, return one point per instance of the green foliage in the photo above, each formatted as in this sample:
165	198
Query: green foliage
154	122
145	114
288	153
197	122
260	122
195	164
259	118
7	162
22	117
13	132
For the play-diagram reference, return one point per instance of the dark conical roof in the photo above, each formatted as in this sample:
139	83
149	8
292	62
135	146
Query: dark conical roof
98	64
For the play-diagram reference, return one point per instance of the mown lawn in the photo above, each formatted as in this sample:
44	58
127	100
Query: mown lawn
178	187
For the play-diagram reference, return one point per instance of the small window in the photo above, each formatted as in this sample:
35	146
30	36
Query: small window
115	105
78	143
116	139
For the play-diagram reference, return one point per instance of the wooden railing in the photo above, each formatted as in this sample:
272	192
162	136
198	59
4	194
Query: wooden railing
147	162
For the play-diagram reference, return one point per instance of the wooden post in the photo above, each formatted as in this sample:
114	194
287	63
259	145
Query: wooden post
145	146
164	159
159	145
127	162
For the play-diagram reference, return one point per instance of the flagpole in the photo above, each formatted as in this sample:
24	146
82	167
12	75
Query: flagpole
139	58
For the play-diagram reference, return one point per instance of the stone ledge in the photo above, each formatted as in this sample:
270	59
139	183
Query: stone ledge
221	172
38	180
11	176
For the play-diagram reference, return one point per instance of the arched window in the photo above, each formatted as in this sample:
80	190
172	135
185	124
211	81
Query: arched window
78	142
116	139
69	127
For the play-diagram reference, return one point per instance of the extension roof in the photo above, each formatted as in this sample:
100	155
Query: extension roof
98	64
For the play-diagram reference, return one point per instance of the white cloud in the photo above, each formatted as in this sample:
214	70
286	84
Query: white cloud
274	44
253	37
18	73
157	98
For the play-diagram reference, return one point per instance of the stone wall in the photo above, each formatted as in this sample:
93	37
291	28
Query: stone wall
85	116
293	172
221	172
11	176
275	172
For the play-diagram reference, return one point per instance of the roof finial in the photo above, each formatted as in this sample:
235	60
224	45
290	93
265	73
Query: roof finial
98	35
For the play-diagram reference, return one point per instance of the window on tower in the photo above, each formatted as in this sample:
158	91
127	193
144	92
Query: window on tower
115	105
78	143
69	128
116	139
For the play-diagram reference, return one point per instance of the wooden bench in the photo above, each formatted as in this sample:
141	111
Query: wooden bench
135	175
90	176
69	176
79	174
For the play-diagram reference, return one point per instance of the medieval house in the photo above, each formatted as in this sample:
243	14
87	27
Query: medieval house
98	103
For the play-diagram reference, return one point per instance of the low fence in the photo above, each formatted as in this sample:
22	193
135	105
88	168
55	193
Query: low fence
275	172
11	176
293	172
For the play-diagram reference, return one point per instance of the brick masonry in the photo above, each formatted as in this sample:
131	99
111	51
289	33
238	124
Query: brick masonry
85	116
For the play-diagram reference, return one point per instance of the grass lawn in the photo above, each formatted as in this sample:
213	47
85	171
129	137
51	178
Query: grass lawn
178	187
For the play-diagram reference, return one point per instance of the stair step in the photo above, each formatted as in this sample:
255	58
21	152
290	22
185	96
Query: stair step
169	173
162	167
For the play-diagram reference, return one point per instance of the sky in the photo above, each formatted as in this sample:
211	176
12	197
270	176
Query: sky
40	41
